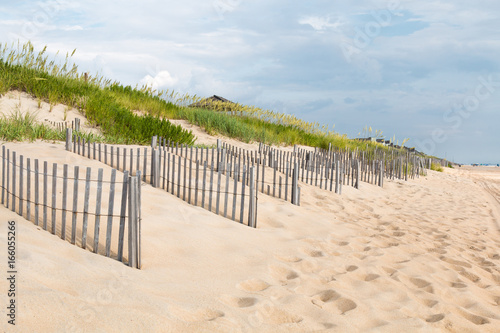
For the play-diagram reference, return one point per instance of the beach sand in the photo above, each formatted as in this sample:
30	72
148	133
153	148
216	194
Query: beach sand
422	255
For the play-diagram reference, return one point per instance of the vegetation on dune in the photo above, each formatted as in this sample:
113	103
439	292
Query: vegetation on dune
133	115
436	167
24	70
21	127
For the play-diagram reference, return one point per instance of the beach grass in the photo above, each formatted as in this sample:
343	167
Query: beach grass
133	115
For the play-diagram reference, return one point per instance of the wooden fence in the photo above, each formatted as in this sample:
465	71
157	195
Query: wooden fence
202	179
50	197
74	124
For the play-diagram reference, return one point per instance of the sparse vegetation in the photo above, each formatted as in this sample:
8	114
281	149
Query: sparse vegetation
436	167
21	127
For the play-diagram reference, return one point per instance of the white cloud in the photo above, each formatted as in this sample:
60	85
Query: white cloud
320	23
161	80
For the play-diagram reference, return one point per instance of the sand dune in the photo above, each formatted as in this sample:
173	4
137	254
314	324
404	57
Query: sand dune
422	255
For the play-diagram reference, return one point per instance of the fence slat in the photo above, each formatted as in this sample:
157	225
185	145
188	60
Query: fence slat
219	174
204	184
54	197
184	182
36	190
98	210
211	185
123	211
45	191
3	175
64	201
227	191
76	174
190	176
14	181
21	185
197	180
132	222
251	209
86	208
110	211
28	189
242	208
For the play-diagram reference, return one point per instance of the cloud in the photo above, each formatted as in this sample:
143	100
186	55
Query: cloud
320	23
161	80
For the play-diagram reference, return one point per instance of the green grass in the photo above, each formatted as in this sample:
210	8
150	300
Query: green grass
436	167
23	127
22	69
112	107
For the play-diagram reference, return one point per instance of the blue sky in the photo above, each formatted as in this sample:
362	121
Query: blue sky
424	70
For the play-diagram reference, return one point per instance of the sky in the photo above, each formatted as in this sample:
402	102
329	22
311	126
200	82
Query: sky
424	70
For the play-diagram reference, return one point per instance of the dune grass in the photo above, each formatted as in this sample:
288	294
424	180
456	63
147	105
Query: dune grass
436	167
23	127
133	115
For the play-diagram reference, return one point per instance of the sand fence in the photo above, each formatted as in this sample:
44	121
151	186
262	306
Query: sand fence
101	214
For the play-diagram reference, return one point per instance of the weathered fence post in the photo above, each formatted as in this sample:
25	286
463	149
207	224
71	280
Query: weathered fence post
132	222
252	221
69	135
295	185
155	168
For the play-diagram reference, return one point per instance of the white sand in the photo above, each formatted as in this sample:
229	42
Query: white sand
421	255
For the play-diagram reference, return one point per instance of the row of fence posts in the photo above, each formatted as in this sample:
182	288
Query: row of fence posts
171	170
61	125
229	155
26	191
174	173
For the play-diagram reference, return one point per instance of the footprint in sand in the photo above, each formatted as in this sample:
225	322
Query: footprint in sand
238	302
281	273
312	252
287	257
422	284
458	285
435	318
194	315
429	302
390	271
277	316
344	305
478	320
456	262
328	275
253	285
371	277
351	268
325	296
437	250
398	233
340	243
419	283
